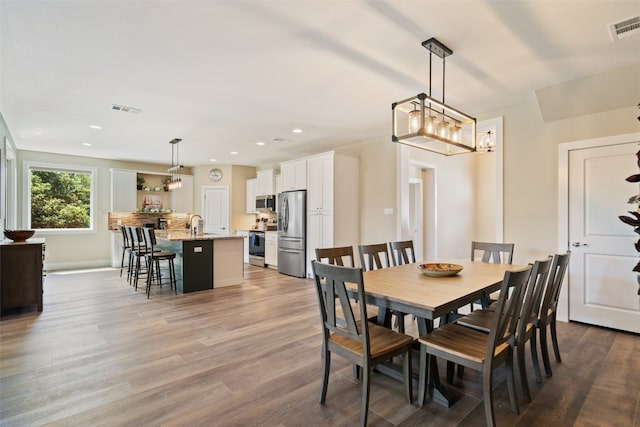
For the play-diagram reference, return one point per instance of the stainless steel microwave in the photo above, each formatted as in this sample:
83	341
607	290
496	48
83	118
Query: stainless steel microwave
266	203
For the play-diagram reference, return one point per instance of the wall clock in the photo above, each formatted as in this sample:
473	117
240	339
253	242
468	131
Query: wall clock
215	175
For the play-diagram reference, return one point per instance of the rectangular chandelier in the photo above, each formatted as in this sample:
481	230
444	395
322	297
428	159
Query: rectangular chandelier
427	123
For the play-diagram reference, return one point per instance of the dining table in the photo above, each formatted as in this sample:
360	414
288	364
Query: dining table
406	289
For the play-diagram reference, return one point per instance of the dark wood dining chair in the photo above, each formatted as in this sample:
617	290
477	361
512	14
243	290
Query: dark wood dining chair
498	253
336	256
357	340
402	252
153	258
547	315
373	257
478	350
482	320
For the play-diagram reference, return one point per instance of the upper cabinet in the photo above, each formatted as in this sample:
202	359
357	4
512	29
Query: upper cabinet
320	182
265	183
123	190
294	175
251	195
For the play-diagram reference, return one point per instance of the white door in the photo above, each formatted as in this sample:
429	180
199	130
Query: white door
216	210
602	286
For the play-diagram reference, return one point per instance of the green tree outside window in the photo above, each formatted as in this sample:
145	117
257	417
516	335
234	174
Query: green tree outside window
60	199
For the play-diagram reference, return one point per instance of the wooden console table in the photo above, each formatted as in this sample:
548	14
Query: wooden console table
21	269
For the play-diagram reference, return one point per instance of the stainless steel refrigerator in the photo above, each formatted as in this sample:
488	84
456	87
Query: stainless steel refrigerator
292	233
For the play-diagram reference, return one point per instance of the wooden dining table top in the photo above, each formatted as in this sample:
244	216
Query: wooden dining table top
406	289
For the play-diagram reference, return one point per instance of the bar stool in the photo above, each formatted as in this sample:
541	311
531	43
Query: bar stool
153	258
136	254
126	248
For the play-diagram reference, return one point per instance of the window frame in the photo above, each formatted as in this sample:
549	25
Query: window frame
92	171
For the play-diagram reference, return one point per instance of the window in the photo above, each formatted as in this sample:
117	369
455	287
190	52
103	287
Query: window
60	197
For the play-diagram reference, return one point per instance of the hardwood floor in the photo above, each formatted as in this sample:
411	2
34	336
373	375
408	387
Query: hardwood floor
102	354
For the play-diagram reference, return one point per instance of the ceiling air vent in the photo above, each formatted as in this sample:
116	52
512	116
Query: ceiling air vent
278	139
624	29
125	109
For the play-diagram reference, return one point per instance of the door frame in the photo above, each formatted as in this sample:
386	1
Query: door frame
563	200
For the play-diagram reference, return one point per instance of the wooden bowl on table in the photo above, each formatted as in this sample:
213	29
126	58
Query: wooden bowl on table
18	235
440	269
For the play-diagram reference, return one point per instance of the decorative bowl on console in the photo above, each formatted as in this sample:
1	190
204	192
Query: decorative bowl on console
18	235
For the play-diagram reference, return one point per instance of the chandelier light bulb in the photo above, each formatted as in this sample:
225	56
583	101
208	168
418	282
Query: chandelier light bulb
414	121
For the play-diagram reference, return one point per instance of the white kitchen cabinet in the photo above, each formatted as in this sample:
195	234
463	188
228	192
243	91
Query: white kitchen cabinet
123	190
320	184
294	175
271	248
182	198
251	195
245	239
265	183
332	203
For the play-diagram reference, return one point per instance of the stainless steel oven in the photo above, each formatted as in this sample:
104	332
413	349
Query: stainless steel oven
256	248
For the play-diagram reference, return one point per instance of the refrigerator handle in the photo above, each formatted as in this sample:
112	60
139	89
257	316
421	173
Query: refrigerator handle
286	214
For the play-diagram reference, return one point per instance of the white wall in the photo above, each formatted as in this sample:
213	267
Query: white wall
531	169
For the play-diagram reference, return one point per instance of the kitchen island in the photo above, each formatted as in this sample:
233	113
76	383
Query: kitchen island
203	261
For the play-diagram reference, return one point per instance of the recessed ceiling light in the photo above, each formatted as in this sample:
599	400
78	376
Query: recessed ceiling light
95	127
259	143
86	144
234	152
296	130
213	160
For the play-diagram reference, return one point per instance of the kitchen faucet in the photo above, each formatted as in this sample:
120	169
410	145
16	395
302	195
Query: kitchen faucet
193	228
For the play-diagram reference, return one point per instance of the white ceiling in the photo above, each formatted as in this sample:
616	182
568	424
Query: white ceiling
223	75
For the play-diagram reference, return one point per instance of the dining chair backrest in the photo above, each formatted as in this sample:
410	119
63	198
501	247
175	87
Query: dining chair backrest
507	309
402	252
533	295
336	256
373	257
335	277
558	269
498	253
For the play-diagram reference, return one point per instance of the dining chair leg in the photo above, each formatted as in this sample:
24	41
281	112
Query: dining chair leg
487	392
534	356
522	371
554	339
326	365
366	387
544	349
511	384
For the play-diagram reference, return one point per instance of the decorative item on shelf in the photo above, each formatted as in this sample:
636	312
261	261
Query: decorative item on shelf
175	181
634	220
166	181
139	182
427	123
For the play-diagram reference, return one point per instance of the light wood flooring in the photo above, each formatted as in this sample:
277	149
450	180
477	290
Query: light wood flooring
102	354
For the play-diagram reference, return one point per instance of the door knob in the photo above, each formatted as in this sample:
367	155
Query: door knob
578	244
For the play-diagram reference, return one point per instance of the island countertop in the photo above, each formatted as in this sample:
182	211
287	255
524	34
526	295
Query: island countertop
184	235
